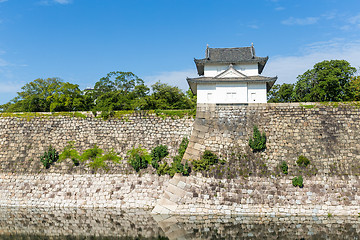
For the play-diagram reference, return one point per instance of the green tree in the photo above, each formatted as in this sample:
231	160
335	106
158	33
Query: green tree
281	93
327	81
43	95
165	96
119	91
354	87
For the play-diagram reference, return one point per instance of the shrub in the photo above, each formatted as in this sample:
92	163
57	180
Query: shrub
206	160
139	158
178	167
258	142
183	145
49	157
163	169
70	152
157	154
284	167
298	181
91	153
302	161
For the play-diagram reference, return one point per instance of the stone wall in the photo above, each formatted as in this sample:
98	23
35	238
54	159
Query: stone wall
23	140
125	191
328	135
261	196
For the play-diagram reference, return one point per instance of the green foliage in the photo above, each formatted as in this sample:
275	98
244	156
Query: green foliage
70	152
163	169
51	94
176	166
327	81
303	161
183	146
281	93
91	153
111	156
157	154
165	96
258	142
207	159
116	91
298	181
138	158
105	115
49	157
284	167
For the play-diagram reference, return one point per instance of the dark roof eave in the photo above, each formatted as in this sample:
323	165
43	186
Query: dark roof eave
243	79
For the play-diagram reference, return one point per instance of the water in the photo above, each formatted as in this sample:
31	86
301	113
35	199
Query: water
48	223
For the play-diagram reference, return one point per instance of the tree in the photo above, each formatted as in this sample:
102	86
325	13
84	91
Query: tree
43	95
281	93
354	87
119	91
165	96
327	81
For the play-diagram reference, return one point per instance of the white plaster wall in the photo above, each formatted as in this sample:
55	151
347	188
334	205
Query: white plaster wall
248	69
211	70
206	93
222	93
257	93
214	70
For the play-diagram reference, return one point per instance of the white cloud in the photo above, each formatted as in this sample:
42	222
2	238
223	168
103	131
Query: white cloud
287	68
174	78
279	9
63	1
300	21
51	2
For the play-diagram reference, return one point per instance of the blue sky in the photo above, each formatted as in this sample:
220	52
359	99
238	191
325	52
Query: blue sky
80	41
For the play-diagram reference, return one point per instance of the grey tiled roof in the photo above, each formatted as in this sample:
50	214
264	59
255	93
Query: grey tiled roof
230	55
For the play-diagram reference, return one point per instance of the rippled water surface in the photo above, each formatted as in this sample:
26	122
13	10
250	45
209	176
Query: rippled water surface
48	223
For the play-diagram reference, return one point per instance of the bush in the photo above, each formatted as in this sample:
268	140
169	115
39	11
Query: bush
183	146
70	152
302	161
139	158
95	157
258	142
298	181
157	154
178	167
163	169
49	157
284	167
206	160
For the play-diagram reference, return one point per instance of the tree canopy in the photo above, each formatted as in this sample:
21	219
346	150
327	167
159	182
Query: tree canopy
116	91
327	81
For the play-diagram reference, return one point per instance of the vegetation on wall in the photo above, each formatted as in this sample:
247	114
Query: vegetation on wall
207	159
157	155
176	166
138	158
258	141
49	157
284	167
94	157
302	161
298	181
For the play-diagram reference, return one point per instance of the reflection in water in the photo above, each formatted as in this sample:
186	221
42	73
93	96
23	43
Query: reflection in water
70	223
